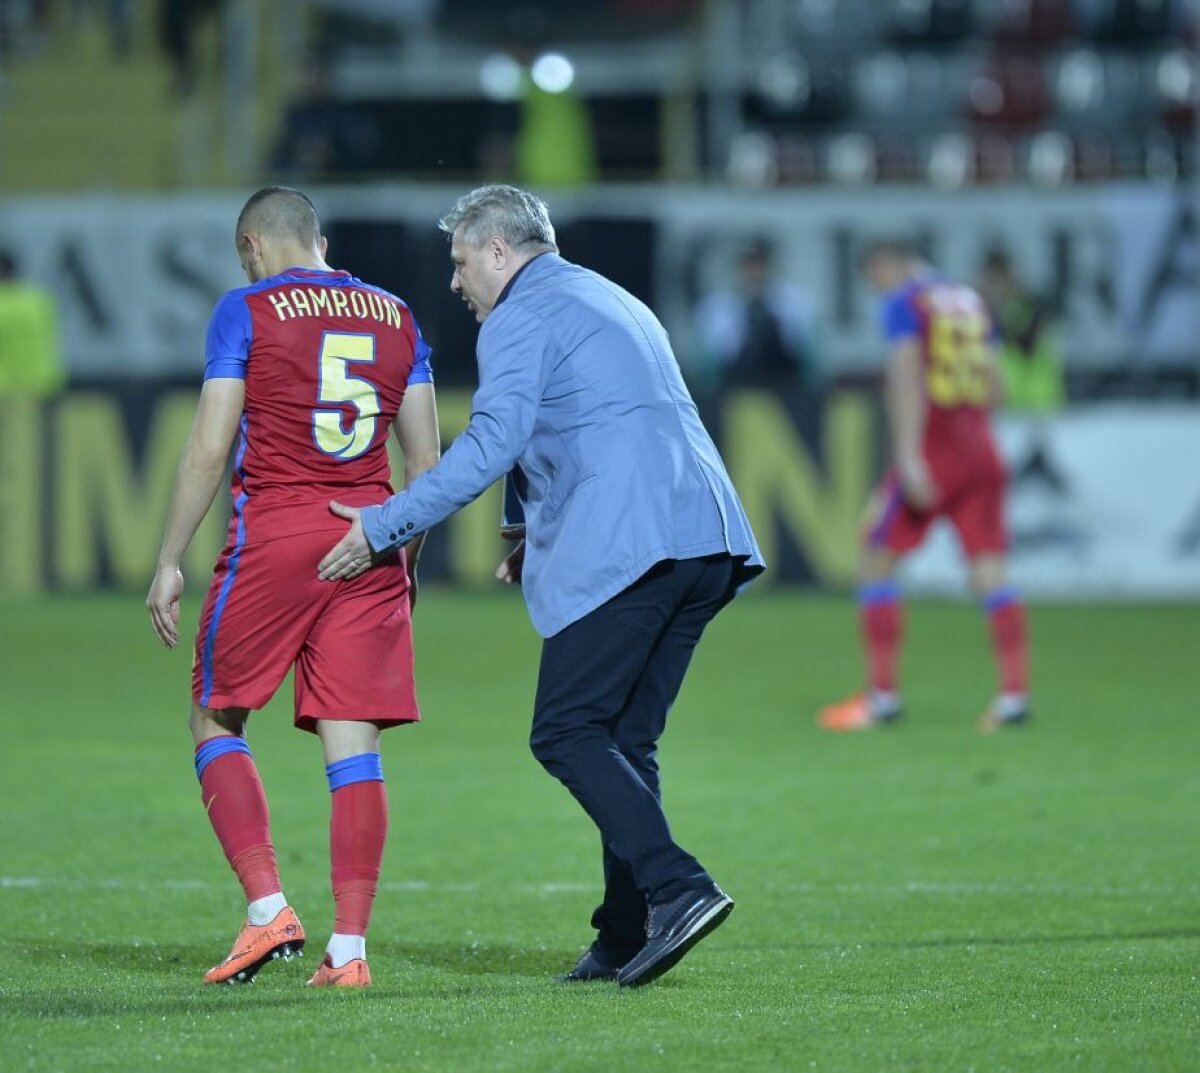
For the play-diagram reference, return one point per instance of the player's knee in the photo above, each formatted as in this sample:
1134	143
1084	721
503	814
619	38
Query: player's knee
877	566
208	723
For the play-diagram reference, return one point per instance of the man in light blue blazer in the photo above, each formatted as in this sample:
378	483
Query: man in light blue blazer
634	540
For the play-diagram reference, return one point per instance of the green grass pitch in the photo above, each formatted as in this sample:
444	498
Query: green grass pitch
919	898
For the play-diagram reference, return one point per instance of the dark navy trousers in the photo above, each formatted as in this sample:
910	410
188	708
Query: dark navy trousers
605	685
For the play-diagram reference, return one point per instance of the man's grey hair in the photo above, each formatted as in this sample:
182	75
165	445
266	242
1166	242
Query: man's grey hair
520	218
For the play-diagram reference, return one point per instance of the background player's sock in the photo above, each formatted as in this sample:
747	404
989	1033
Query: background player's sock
881	619
884	705
264	910
344	948
1006	618
237	809
357	831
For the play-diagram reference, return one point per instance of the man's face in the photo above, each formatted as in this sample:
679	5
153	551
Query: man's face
479	274
884	272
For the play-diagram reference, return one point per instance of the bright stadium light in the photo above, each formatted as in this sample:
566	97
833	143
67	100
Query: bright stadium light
500	77
552	72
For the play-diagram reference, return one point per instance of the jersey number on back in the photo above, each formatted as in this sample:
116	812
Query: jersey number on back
339	385
958	357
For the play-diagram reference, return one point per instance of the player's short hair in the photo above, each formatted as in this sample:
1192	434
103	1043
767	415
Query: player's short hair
997	259
894	247
282	211
520	218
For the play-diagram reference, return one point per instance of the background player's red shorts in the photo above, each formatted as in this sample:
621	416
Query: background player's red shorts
350	641
971	487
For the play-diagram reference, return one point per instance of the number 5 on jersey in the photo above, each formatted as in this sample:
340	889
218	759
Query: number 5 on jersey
339	385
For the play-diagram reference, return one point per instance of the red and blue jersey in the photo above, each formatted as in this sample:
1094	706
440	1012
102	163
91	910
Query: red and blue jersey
327	360
952	325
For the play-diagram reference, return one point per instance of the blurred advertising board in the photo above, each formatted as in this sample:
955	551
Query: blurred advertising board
136	277
1121	520
85	480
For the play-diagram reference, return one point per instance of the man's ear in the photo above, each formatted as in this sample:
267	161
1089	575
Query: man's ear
252	245
499	251
322	246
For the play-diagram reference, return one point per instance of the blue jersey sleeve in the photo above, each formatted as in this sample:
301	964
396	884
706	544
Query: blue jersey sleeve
899	317
227	344
422	371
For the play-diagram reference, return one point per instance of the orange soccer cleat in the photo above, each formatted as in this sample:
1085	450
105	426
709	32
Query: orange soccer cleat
353	974
856	713
256	945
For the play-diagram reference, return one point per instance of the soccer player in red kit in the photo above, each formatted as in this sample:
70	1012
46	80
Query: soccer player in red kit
306	369
941	385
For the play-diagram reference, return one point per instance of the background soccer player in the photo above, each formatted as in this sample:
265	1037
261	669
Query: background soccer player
307	368
941	383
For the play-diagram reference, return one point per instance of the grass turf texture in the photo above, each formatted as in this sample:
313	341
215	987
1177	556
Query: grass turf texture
916	898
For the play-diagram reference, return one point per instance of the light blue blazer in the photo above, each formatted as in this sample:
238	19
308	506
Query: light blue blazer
578	386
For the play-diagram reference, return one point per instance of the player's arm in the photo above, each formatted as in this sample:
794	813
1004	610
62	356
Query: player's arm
416	430
906	409
516	350
200	472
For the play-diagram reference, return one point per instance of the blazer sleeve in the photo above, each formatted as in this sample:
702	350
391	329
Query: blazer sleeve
515	358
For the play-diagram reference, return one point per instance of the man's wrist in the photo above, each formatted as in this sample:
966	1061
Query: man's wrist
380	535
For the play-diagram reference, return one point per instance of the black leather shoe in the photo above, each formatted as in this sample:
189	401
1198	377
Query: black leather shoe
589	967
673	929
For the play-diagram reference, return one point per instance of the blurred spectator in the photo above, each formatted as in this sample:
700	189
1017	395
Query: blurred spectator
321	136
177	23
30	361
1031	367
759	332
555	145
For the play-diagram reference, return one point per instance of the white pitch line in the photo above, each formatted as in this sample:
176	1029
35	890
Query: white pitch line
414	886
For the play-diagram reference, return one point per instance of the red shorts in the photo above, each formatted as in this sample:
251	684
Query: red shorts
350	641
970	496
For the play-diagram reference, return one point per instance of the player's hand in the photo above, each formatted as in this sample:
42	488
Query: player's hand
509	571
163	604
351	555
917	485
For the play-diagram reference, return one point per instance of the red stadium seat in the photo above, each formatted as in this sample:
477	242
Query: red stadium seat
1034	23
1009	92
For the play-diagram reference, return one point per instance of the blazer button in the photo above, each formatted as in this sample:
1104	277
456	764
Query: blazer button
394	536
409	527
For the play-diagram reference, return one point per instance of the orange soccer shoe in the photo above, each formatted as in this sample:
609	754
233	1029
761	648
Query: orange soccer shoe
255	946
856	713
353	974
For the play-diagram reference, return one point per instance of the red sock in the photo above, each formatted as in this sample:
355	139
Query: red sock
1007	620
357	831
237	809
882	621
